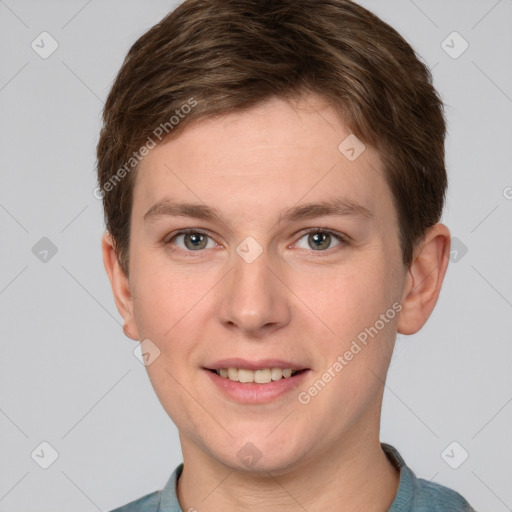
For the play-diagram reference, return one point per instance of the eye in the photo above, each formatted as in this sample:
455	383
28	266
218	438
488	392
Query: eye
320	239
193	240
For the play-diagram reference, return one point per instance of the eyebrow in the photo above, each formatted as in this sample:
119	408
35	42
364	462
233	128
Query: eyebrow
336	207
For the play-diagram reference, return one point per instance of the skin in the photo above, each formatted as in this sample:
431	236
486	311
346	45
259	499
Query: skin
294	302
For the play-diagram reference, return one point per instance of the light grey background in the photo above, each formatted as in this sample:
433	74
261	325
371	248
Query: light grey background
69	377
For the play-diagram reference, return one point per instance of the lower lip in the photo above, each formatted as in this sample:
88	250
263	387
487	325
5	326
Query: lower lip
253	393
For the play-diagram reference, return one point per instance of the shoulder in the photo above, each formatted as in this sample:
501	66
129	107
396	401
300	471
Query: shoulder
433	497
148	503
419	495
164	499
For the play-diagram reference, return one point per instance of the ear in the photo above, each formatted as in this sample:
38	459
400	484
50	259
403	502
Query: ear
424	279
120	286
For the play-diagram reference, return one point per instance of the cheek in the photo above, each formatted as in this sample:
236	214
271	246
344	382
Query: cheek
344	300
348	324
164	298
351	381
174	392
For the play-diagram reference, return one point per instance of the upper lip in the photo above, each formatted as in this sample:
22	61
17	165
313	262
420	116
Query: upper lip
236	362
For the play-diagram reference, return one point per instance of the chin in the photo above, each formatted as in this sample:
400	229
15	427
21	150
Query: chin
262	453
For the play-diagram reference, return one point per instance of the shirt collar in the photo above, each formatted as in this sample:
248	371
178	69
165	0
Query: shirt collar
169	499
408	481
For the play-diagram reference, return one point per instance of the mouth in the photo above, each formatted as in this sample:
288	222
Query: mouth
260	382
259	376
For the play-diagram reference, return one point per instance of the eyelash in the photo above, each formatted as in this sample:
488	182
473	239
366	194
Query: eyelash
343	239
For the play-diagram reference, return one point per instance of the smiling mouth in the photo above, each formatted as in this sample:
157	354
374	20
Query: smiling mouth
261	376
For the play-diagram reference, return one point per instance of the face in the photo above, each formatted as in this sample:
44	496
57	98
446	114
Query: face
265	279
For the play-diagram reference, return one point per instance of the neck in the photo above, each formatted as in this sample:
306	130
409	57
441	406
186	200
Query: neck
356	475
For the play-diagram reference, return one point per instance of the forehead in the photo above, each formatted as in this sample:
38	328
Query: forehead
275	155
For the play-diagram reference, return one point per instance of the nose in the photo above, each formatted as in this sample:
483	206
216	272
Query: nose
254	298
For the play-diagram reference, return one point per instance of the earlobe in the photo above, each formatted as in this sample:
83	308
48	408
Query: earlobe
120	286
424	279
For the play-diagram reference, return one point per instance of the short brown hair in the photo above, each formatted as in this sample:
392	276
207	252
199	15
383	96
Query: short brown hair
223	56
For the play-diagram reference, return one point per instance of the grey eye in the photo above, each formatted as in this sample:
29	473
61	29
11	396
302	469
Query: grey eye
318	240
193	241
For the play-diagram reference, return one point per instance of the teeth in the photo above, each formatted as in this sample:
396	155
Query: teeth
245	375
287	372
262	376
276	373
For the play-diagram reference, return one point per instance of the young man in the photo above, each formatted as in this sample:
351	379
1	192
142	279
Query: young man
273	178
